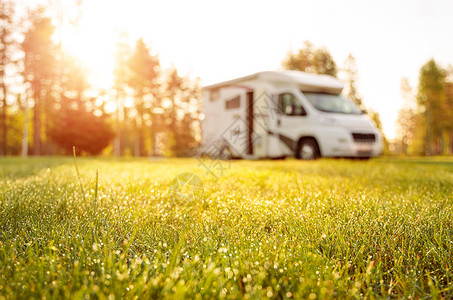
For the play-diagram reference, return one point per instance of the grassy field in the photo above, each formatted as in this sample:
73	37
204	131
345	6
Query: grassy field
279	229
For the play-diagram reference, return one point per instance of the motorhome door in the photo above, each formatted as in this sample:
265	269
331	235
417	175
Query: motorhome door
291	120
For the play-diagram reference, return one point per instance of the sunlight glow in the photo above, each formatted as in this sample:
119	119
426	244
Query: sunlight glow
91	40
166	103
110	107
222	40
95	53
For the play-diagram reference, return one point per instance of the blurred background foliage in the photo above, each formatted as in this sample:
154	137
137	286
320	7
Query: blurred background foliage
48	104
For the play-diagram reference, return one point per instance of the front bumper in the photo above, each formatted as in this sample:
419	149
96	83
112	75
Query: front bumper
340	142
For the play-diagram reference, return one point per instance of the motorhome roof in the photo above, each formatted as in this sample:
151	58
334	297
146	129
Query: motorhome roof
305	81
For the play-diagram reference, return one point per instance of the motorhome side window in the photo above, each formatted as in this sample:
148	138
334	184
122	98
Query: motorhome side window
233	103
289	105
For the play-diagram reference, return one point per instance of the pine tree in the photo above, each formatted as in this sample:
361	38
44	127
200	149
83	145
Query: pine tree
7	44
120	73
183	114
40	71
311	60
431	99
350	70
142	78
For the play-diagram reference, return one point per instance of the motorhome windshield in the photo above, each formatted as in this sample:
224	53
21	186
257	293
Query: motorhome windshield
332	103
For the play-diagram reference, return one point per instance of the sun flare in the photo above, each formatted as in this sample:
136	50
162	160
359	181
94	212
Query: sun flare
94	47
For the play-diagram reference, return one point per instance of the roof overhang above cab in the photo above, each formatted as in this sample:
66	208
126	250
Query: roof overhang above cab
304	81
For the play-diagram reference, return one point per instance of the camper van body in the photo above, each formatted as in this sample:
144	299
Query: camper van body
285	113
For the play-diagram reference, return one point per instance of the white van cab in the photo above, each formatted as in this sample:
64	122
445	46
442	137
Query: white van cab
285	113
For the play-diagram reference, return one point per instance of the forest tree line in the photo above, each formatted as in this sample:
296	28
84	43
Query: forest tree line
48	106
425	122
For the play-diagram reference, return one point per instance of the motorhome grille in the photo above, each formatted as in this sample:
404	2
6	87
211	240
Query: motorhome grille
364	137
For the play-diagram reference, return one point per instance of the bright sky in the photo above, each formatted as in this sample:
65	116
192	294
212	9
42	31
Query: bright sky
221	40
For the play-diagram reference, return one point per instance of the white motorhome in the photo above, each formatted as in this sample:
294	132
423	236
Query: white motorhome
285	113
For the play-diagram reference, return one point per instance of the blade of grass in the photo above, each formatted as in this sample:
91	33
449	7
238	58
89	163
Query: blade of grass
78	174
96	191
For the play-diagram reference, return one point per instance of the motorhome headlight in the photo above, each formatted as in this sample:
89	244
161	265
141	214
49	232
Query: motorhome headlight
327	121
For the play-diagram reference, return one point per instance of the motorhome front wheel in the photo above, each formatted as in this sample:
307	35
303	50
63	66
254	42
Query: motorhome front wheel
308	150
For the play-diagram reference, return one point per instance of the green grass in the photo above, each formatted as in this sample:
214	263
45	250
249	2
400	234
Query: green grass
278	229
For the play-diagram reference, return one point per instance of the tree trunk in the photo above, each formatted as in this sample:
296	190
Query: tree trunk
4	145
36	129
124	133
137	138
451	142
117	142
3	150
445	142
429	139
45	118
153	150
36	118
25	129
141	133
